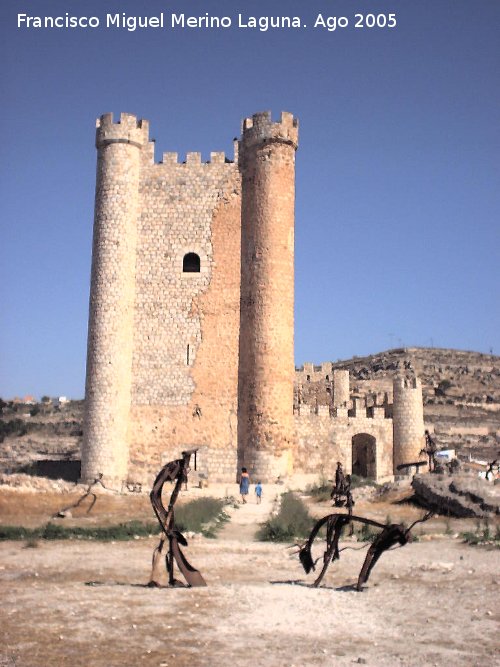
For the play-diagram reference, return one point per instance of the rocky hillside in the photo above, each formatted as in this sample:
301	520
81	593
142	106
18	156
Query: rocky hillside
461	405
41	438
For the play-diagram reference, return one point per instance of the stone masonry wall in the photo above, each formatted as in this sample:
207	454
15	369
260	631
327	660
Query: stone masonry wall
321	385
187	396
177	210
322	440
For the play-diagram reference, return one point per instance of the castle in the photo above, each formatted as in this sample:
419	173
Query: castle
191	327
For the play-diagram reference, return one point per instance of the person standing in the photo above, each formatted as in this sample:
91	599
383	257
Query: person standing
258	492
244	484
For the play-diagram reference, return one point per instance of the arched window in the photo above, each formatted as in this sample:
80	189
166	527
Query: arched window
191	263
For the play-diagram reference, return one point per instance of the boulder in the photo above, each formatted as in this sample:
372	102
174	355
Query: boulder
459	495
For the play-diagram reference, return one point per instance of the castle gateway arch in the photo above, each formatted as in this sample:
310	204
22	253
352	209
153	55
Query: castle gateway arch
364	459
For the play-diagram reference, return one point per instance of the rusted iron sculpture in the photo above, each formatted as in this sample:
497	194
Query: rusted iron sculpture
341	492
64	512
493	469
430	450
334	525
390	535
173	471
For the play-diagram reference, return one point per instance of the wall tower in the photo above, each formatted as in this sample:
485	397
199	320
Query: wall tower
408	421
266	359
111	309
341	390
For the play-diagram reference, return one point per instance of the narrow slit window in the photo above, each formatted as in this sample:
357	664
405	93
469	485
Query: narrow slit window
191	263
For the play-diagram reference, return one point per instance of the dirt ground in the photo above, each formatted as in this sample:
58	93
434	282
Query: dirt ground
85	604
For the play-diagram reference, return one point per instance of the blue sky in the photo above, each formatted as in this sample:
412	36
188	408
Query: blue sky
397	212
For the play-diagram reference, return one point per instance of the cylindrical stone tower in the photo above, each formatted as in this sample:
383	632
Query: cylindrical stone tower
111	309
266	361
408	422
341	394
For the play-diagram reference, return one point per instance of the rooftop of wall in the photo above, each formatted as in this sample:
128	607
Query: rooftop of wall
260	128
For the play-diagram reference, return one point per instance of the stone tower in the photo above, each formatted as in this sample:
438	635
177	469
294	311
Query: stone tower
408	421
111	310
191	310
341	390
266	359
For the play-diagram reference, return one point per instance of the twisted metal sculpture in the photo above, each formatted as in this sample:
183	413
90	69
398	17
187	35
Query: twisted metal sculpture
98	480
430	450
173	471
390	535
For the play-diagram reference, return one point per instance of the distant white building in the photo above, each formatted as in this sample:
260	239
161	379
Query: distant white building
61	400
445	454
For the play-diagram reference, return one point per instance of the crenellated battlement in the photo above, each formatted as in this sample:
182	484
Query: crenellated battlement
128	121
405	383
343	414
194	159
128	130
131	130
316	371
260	129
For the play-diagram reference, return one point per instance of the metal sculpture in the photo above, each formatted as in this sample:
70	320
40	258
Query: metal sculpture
493	469
342	484
430	450
390	535
173	471
341	492
64	512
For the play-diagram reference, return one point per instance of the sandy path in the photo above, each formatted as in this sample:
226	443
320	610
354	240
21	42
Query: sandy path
246	518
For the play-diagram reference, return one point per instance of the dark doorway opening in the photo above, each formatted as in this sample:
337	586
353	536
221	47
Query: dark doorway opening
364	461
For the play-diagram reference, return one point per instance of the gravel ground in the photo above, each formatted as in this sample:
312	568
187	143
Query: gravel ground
434	602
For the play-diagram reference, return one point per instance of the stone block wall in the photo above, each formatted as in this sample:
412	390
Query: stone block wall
185	365
322	440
